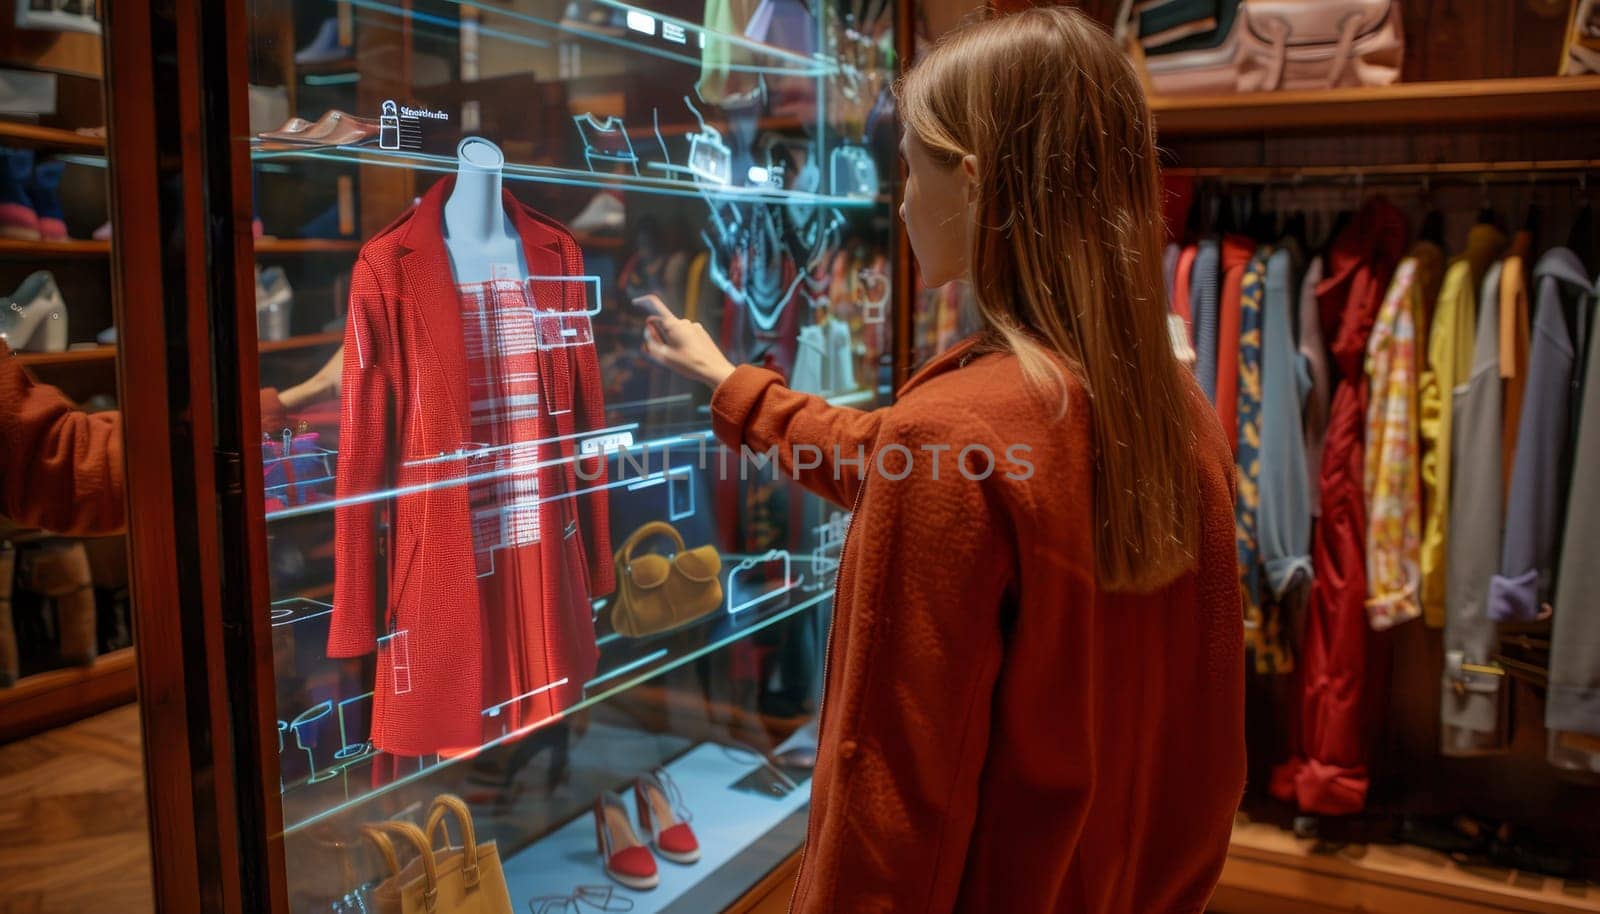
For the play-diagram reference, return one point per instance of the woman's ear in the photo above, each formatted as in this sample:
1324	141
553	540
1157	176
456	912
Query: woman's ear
969	170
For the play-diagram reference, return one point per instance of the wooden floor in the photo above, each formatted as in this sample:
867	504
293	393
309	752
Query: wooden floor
72	820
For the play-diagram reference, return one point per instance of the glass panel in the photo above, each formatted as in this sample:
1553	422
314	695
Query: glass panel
67	675
509	560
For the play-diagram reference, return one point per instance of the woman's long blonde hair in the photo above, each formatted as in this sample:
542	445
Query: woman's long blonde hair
1066	257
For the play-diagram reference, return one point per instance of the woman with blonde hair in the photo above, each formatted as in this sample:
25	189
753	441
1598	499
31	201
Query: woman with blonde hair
1034	697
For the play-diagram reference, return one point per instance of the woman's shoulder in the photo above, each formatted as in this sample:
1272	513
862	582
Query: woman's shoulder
992	390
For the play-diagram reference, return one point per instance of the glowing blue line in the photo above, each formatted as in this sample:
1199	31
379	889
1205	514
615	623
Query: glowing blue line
650	658
587	702
80	159
816	65
385	494
451	26
332	79
653	401
476	453
549	174
495	709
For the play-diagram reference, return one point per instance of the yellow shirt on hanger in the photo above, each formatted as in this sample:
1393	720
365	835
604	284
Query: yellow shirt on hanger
1450	342
691	295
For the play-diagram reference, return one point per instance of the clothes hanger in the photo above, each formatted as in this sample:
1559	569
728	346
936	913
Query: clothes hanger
1533	216
1263	227
1486	213
1433	221
1225	213
1581	237
1194	221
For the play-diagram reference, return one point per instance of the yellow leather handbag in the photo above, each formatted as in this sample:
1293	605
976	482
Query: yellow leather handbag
658	593
451	880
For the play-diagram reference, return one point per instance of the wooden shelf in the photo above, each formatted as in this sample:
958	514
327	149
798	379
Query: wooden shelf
36	137
1497	101
303	342
51	699
10	247
307	246
70	357
1271	870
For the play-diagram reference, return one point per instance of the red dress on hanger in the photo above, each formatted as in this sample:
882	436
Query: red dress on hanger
1339	683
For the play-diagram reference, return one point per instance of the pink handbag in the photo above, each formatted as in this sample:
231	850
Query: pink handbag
1290	44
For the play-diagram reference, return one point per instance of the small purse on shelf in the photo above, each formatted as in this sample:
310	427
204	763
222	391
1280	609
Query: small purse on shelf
657	593
1272	45
451	880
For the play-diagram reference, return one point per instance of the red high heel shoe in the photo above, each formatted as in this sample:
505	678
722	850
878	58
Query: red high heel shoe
663	816
625	857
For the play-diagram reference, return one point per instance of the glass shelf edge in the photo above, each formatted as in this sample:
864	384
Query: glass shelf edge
550	174
588	702
827	66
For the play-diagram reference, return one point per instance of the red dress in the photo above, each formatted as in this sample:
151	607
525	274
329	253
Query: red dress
457	556
1339	686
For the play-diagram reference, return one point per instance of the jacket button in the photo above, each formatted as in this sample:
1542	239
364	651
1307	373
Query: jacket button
847	749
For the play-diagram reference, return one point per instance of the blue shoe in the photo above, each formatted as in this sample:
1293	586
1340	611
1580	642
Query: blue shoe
18	219
46	193
325	48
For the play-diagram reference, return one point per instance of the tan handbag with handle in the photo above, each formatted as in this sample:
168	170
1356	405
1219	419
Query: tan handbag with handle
657	593
1285	44
452	880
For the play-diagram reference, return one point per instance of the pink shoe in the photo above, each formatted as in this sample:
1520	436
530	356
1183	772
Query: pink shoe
625	857
663	816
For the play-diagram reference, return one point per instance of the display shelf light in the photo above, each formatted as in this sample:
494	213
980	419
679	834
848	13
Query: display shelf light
547	174
668	664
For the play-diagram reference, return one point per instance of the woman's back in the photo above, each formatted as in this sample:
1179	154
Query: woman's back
1000	733
1116	758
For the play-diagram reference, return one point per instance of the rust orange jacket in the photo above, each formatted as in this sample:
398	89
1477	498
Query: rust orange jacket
60	468
998	733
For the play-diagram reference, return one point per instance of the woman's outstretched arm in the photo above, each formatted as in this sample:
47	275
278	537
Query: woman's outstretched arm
60	468
826	448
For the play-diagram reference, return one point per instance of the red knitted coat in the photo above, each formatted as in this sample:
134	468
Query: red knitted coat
1340	680
406	565
999	734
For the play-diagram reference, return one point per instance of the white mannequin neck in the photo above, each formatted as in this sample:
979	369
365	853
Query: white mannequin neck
478	233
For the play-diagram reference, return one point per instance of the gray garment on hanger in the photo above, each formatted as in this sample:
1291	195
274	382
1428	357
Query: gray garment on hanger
1573	702
1314	403
1473	707
809	354
1283	515
1169	270
1536	500
1203	281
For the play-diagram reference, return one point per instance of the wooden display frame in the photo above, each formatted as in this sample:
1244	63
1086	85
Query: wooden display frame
177	106
44	700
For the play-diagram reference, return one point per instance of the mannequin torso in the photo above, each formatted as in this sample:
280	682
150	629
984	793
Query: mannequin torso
482	242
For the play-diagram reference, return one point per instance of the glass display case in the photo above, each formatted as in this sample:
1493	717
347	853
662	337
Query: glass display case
508	560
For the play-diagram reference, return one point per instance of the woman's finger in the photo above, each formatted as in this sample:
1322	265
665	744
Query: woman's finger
655	306
656	330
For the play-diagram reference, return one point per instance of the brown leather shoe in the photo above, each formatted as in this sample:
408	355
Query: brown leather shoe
60	571
8	632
